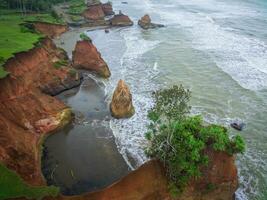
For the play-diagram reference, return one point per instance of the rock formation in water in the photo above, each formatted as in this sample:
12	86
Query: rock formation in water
107	8
85	56
121	20
27	114
121	105
50	30
145	23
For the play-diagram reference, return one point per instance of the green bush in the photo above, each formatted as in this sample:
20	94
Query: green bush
179	140
83	36
72	72
60	64
3	73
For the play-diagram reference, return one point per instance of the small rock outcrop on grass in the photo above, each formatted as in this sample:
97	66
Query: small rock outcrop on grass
85	56
145	23
121	20
94	12
121	105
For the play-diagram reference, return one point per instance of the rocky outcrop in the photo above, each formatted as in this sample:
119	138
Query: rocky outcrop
145	23
121	105
85	56
121	20
94	12
50	30
27	114
107	8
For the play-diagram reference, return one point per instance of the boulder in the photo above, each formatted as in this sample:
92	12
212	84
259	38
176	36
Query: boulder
94	12
121	20
107	8
85	56
145	23
121	105
238	125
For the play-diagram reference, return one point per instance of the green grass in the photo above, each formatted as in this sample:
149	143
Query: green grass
76	7
13	39
60	64
12	186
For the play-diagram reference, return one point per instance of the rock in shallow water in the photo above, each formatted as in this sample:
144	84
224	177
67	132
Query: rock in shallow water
145	23
121	20
121	105
238	125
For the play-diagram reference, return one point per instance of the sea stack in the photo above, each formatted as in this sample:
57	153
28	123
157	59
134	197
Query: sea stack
121	20
145	23
85	56
121	105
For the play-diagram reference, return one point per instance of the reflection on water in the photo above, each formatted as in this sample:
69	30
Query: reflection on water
83	156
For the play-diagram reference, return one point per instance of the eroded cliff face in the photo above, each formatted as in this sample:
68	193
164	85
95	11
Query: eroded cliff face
50	30
85	56
27	114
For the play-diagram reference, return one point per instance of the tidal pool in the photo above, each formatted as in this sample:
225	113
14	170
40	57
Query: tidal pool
83	157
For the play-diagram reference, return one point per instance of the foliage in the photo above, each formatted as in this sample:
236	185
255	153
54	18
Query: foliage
60	63
172	102
76	7
72	72
29	5
83	36
12	186
179	140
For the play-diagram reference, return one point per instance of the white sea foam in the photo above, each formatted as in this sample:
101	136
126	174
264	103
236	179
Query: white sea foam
244	58
129	133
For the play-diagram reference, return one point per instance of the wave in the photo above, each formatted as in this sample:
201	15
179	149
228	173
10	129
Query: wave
129	133
243	57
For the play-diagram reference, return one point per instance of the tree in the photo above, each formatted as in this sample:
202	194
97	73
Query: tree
179	140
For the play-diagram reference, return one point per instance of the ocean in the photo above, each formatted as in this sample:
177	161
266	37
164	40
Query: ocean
217	49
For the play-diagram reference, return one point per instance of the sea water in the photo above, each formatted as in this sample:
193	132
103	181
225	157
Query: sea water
217	49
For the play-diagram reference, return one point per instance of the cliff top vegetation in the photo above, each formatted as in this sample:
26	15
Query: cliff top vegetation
12	186
179	140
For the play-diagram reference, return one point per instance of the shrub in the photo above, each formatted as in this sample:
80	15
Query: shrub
83	36
72	72
179	140
60	64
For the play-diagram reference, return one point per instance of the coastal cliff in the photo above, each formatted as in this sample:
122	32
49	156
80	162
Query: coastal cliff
50	30
27	113
86	56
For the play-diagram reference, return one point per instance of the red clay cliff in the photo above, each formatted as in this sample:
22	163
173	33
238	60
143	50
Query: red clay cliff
85	56
27	114
50	30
